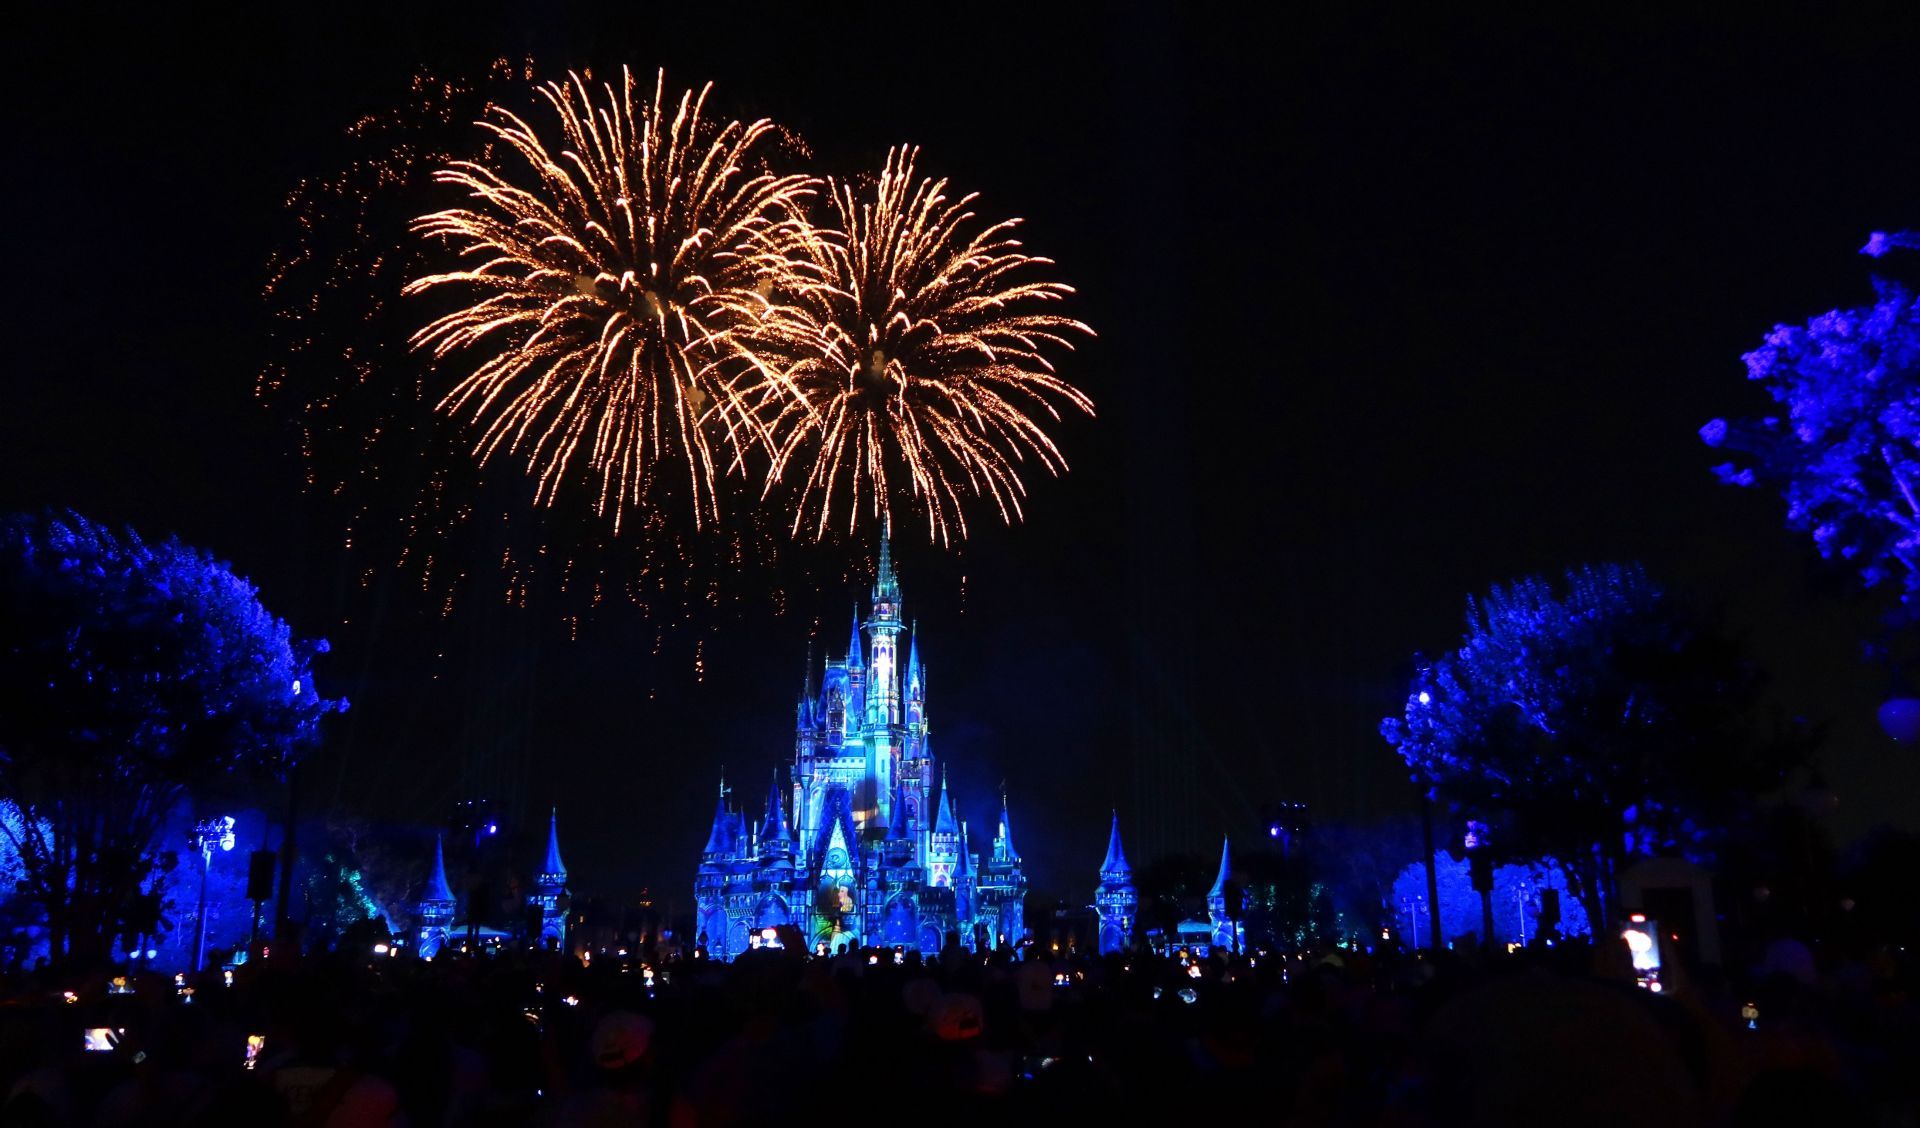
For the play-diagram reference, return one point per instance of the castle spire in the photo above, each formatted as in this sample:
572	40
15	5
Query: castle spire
885	586
719	841
437	887
775	827
855	659
1115	867
943	822
897	828
1226	869
556	871
1003	842
807	683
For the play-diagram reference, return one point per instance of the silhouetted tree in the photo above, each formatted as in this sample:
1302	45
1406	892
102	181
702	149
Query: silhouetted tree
135	674
1172	888
1589	724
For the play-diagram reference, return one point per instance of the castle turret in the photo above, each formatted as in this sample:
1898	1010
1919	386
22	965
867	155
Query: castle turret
1001	888
550	888
710	885
916	686
437	906
1115	900
1003	850
719	839
943	842
776	840
965	883
1223	910
856	679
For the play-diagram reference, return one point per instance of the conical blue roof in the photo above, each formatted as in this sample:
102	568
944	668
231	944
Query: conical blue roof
1004	843
554	864
775	827
1226	869
944	822
856	658
719	840
437	887
1116	862
897	821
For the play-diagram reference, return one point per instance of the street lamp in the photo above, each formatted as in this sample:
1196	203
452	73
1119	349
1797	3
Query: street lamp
205	835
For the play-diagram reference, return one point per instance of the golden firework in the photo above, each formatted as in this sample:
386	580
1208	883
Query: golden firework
924	375
614	282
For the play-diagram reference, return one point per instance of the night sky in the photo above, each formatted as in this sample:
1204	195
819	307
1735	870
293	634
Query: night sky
1391	307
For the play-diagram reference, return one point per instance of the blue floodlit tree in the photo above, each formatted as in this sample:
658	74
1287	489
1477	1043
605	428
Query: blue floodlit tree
1845	452
137	675
1589	724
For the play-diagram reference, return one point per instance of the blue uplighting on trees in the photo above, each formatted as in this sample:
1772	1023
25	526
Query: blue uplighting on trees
1589	721
1845	452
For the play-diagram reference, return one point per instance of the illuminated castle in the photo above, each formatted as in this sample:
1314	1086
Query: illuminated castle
859	843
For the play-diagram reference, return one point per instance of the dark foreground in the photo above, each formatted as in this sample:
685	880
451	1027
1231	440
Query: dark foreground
777	1039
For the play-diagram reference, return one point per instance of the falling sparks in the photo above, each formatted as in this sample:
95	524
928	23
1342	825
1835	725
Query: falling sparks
613	275
926	364
395	474
638	314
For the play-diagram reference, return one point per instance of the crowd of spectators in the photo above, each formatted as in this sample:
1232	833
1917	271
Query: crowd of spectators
878	1038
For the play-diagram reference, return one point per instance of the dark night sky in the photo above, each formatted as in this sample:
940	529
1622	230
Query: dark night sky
1391	306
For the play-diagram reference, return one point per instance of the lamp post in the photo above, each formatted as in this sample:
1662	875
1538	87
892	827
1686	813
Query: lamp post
205	835
1414	906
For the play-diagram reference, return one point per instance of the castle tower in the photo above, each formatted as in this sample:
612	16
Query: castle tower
916	687
1001	888
1115	900
710	887
883	628
1224	916
883	730
776	840
943	842
437	905
976	934
915	757
856	680
549	888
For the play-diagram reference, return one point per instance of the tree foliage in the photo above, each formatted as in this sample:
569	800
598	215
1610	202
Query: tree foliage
1589	723
1845	453
138	673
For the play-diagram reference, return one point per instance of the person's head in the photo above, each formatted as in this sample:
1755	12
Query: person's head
620	1042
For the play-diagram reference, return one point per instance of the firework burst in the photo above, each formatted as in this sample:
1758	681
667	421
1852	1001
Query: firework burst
611	284
925	376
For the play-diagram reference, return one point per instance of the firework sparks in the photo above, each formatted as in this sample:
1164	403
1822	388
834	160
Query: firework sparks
420	519
612	287
926	368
